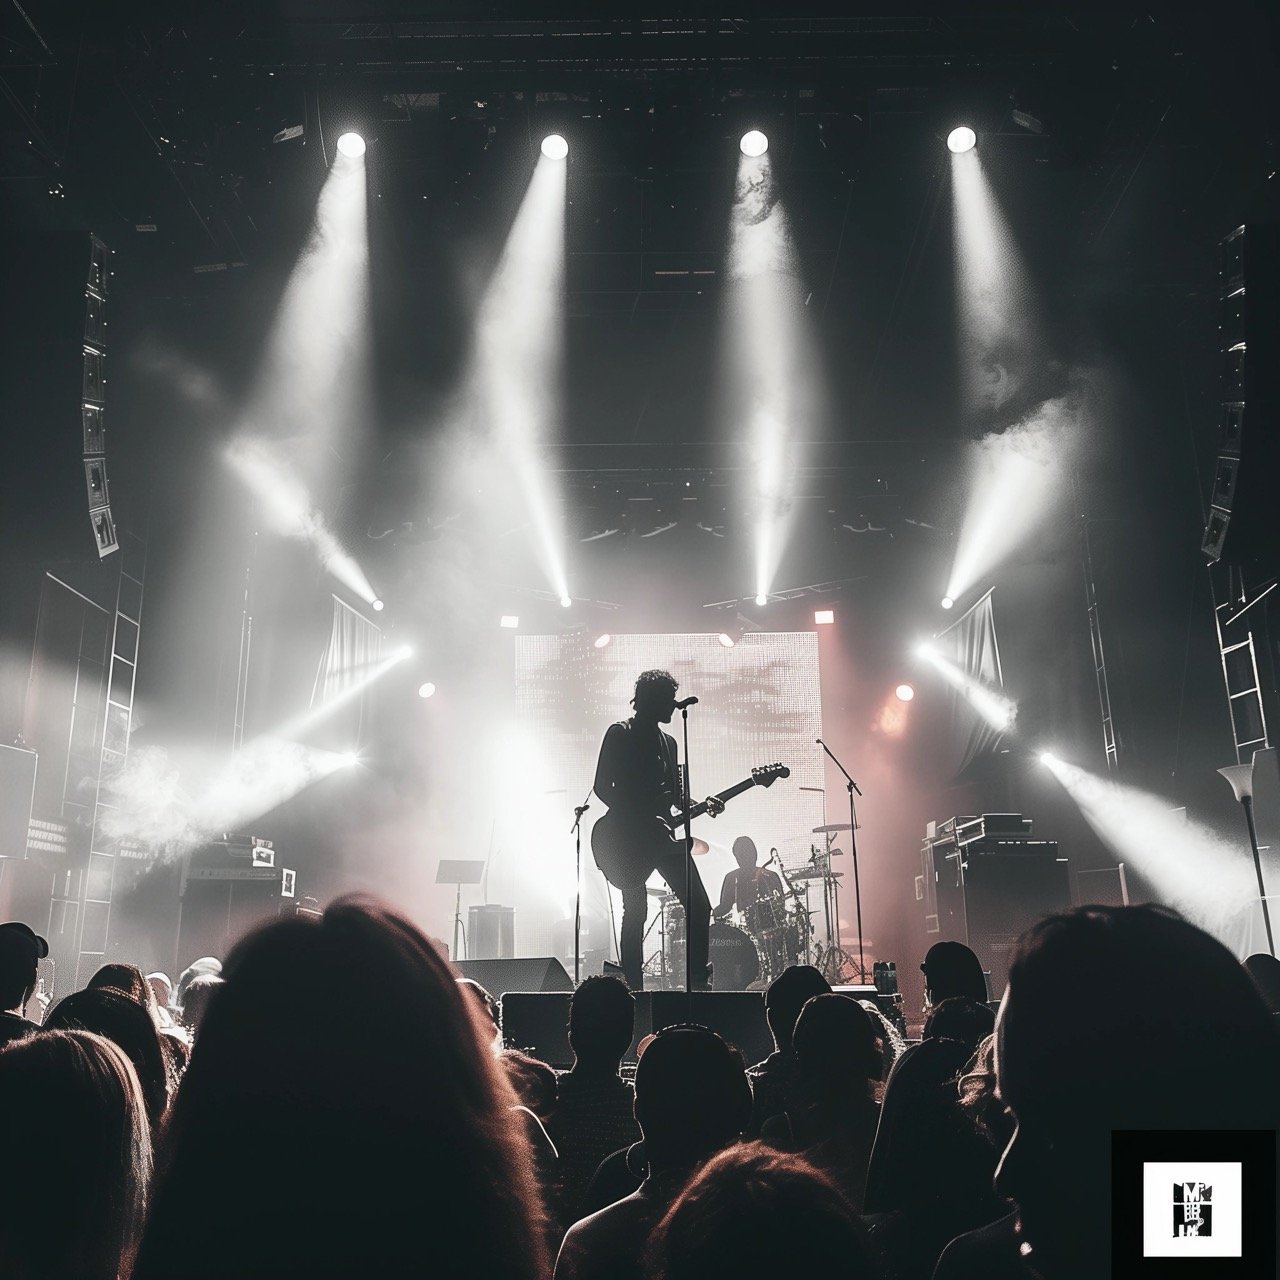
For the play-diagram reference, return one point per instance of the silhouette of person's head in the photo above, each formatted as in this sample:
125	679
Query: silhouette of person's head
200	992
206	964
785	998
342	1107
692	1096
1074	1064
959	1018
757	1214
744	850
20	948
162	988
655	694
126	1023
951	969
837	1042
127	979
73	1128
602	1018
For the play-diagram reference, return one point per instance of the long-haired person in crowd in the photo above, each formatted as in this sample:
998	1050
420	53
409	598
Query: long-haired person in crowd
108	1012
756	1214
77	1158
343	1115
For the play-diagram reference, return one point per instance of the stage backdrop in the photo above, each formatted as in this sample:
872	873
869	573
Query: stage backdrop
759	703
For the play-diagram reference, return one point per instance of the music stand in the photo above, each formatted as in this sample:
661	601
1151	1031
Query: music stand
458	871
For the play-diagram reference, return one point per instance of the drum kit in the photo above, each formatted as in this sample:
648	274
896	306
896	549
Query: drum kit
750	948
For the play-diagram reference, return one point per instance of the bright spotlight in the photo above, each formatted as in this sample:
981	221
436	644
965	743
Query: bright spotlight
349	759
1047	758
904	693
824	617
351	145
753	144
603	641
947	602
762	600
565	602
510	621
403	653
961	140
378	606
426	690
987	702
554	147
726	639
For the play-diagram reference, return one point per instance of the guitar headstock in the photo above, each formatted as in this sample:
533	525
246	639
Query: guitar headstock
767	774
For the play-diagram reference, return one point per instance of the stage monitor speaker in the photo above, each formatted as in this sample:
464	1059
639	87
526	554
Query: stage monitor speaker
537	1022
536	973
1241	528
738	1016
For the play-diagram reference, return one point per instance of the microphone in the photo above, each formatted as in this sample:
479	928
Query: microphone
686	702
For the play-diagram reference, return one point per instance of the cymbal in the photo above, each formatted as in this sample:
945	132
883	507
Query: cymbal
815	874
830	827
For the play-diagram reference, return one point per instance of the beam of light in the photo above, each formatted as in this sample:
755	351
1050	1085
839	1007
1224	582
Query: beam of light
312	390
1015	479
1208	878
519	356
341	688
995	310
997	710
766	337
961	139
285	507
149	803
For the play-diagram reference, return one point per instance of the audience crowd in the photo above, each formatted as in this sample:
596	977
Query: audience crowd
336	1102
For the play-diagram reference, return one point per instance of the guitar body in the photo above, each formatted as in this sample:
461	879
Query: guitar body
627	849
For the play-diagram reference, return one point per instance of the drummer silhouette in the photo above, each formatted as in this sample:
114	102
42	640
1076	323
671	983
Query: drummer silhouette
749	883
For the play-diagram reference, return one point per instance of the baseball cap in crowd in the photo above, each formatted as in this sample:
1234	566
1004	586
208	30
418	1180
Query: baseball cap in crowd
25	931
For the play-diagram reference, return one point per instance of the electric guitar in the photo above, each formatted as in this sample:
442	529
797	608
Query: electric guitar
624	847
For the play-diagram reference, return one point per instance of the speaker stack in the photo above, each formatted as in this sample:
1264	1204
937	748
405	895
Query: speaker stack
1241	529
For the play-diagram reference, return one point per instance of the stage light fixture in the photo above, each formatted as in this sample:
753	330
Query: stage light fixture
961	140
824	617
403	653
426	690
753	144
726	639
1047	758
602	642
565	602
349	759
554	147
947	602
510	621
378	606
351	145
904	693
762	600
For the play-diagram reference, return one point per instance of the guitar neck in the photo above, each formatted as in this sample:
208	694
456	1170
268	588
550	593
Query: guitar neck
723	796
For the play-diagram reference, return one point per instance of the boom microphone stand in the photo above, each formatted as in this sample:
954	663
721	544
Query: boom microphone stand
851	787
688	854
578	811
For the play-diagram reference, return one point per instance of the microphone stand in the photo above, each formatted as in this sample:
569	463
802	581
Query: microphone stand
851	787
688	862
578	811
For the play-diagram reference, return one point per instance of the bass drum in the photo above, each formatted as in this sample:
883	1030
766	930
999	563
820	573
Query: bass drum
733	955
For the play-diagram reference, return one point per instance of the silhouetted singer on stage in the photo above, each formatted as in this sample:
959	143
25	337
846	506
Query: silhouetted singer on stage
741	888
636	778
